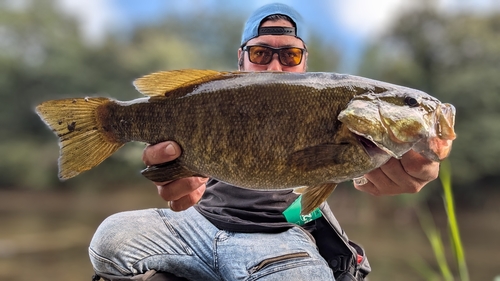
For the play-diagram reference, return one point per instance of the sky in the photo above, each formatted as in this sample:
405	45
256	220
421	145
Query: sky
350	24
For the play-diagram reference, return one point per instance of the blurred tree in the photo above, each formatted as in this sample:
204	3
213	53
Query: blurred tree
454	57
322	55
43	56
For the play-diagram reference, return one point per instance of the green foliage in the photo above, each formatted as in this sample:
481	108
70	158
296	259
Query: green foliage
455	58
434	236
25	163
456	241
321	56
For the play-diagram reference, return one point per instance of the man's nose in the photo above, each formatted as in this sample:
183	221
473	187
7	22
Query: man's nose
275	64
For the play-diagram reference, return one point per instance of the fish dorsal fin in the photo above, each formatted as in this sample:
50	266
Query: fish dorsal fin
163	83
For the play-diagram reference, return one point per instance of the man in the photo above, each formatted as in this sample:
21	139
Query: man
240	234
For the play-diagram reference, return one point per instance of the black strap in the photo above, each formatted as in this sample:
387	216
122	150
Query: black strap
277	30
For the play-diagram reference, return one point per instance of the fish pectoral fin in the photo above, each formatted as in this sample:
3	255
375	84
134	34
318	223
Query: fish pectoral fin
168	171
313	196
163	83
318	156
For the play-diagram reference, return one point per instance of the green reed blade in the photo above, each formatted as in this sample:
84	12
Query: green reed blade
437	245
424	269
445	177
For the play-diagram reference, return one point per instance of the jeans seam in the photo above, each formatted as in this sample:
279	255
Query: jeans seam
307	233
102	259
172	230
215	242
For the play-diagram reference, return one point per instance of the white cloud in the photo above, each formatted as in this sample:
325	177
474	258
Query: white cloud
367	18
95	17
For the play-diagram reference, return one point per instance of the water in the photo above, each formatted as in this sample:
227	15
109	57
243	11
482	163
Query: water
44	235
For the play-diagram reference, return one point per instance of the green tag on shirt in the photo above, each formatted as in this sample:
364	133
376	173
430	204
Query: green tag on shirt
292	213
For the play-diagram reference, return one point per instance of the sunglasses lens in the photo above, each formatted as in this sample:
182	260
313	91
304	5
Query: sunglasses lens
263	55
260	55
290	56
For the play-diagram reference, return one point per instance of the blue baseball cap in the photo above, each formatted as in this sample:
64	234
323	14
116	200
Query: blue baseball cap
252	27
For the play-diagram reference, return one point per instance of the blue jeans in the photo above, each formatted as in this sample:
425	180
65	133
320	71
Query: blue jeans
188	245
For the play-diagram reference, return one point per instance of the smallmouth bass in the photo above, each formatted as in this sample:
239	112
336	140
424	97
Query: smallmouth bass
258	130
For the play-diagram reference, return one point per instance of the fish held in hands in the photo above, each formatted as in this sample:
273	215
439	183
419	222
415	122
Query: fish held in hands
257	130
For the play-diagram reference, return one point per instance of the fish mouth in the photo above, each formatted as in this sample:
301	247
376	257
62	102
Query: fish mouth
438	145
378	155
371	148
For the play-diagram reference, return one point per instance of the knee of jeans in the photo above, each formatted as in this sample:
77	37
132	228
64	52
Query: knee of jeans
114	234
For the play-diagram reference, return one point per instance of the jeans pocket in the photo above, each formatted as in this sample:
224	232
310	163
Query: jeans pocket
279	262
292	266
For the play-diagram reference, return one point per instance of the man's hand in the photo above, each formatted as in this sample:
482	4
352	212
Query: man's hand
183	193
406	175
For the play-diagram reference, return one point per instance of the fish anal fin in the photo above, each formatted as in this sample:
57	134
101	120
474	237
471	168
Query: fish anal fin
313	196
164	83
168	171
319	156
300	190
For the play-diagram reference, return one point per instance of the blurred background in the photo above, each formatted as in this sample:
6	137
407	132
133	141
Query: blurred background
66	48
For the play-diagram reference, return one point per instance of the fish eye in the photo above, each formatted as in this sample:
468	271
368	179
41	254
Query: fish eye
411	102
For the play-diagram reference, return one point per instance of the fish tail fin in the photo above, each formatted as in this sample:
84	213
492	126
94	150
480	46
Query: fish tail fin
83	142
313	196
